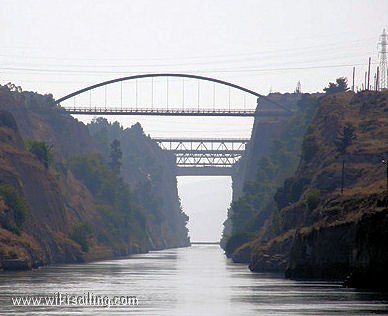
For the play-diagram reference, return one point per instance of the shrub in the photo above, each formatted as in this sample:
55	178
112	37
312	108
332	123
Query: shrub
7	120
80	234
237	240
312	199
42	151
340	86
92	171
309	147
17	203
291	191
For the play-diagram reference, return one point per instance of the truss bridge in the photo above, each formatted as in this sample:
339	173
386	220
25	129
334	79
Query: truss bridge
204	156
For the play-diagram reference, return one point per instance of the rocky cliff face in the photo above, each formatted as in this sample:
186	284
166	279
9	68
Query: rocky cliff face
151	175
270	157
264	131
47	215
323	233
42	236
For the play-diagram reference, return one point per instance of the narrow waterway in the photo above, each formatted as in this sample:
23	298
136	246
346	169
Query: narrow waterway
190	281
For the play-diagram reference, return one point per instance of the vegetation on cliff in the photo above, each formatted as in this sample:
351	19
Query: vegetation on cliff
324	214
327	208
16	203
42	151
250	211
150	174
86	198
112	201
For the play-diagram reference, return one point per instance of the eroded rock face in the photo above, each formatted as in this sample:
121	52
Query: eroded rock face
58	202
370	252
323	253
342	236
265	130
43	236
357	250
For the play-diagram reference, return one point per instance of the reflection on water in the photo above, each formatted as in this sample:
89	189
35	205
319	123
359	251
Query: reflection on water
189	281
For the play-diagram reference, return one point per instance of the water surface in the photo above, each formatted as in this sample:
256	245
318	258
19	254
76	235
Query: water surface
188	281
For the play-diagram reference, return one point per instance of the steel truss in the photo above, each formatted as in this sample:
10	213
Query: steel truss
206	152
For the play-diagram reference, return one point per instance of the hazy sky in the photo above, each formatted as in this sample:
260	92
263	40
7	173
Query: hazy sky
59	46
236	40
206	200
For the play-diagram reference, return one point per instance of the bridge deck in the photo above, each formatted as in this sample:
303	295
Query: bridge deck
172	112
204	171
200	140
214	152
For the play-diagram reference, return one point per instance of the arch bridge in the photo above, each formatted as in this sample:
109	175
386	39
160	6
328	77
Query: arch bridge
194	156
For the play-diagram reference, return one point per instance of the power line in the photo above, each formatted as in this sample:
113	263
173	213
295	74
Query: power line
252	54
42	70
326	55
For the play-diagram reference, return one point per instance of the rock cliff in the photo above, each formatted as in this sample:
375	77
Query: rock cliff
271	156
52	212
325	233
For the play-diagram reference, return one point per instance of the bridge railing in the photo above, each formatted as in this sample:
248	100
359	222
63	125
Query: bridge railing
172	111
200	140
159	111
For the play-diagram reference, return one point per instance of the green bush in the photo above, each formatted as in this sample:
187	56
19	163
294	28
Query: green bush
309	147
17	203
237	240
80	233
92	171
42	151
291	191
112	197
340	85
7	120
312	199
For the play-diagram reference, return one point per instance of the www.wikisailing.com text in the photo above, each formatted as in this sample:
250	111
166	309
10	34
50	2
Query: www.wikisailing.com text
63	300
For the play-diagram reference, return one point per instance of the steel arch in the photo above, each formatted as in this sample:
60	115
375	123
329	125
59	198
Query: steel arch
154	75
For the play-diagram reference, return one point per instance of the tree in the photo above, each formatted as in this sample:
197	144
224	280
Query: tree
116	155
80	233
342	142
312	199
345	138
340	86
19	206
42	151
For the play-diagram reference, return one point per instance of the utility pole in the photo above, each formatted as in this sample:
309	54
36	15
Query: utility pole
369	74
375	83
383	60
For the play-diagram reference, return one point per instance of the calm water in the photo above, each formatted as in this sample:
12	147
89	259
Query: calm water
191	281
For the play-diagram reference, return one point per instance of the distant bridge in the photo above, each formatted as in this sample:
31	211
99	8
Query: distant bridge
204	156
172	112
135	110
194	156
167	75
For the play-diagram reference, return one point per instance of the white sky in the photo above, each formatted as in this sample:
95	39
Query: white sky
233	40
56	47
